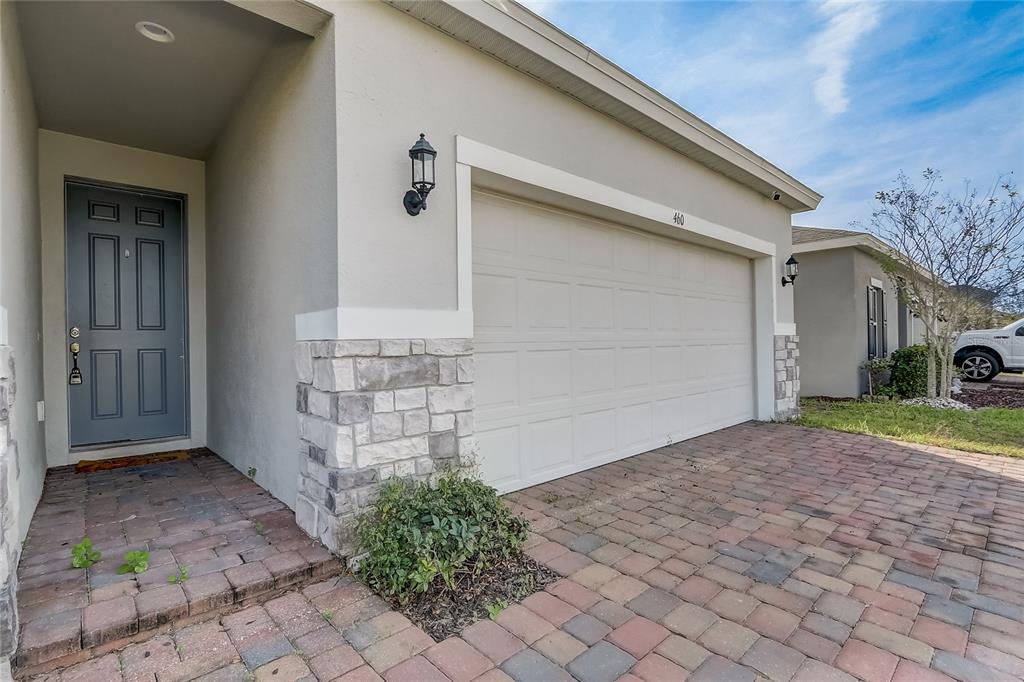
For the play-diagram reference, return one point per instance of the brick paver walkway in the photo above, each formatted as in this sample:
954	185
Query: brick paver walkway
237	543
757	552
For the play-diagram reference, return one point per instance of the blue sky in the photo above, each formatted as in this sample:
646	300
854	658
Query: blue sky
842	95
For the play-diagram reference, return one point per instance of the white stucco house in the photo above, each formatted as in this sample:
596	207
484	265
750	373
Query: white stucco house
847	309
204	244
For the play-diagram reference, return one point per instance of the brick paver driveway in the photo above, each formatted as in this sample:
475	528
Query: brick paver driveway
758	552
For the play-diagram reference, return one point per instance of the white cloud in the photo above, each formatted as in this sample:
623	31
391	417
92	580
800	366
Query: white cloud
833	48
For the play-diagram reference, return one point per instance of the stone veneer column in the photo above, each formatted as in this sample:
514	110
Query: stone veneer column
10	547
787	377
373	409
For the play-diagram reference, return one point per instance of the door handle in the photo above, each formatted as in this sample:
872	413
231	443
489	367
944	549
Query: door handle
75	377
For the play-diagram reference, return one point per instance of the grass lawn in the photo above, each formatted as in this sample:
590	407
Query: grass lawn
995	431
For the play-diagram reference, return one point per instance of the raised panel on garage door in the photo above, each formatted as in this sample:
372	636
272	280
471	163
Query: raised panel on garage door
595	342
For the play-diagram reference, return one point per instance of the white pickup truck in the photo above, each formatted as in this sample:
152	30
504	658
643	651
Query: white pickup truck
984	353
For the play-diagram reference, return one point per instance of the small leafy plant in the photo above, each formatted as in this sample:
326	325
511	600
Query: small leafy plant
327	614
252	472
83	555
135	561
417	537
179	577
259	528
495	608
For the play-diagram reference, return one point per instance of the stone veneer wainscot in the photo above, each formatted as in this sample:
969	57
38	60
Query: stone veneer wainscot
10	547
373	409
787	377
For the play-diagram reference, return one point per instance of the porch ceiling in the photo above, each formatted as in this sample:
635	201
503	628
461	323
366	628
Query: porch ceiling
93	75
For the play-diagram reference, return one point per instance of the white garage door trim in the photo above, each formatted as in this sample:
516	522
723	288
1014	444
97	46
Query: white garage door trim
602	199
595	341
368	323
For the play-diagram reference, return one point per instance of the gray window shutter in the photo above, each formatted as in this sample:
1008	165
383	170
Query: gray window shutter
872	324
884	329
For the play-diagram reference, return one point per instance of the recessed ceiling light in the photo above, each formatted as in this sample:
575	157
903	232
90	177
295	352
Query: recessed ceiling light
155	31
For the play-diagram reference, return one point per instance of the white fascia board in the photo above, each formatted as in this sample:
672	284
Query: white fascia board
499	162
304	17
838	243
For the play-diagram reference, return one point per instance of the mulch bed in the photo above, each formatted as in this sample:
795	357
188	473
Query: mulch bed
993	397
443	613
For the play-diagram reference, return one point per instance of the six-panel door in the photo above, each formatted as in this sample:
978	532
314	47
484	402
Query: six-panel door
126	296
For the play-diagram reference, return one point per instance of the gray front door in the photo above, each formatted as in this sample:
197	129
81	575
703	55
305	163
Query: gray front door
126	297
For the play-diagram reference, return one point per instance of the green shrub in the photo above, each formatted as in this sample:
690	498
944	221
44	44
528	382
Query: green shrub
877	371
909	374
416	536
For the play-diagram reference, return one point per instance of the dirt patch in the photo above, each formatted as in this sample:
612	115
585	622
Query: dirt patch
993	396
443	612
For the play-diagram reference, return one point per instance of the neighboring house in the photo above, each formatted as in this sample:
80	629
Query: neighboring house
216	225
847	310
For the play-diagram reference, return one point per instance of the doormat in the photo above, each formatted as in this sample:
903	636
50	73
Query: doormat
87	466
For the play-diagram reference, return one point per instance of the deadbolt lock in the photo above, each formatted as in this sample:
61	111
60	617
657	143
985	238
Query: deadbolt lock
75	332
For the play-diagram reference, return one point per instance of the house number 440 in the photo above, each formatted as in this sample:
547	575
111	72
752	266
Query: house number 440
678	218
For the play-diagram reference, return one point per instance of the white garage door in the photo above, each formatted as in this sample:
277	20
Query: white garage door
596	342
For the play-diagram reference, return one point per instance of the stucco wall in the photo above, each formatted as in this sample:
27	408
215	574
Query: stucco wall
63	155
271	183
20	291
831	317
22	456
830	333
398	77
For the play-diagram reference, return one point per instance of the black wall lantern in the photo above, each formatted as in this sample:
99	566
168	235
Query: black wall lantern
422	155
792	270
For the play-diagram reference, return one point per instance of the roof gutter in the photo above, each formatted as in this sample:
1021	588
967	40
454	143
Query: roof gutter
519	38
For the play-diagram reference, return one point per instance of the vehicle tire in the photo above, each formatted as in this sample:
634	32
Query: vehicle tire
979	366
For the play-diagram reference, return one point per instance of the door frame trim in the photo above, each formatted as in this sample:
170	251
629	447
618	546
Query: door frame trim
69	179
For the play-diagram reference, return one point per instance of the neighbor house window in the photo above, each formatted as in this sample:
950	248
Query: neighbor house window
877	324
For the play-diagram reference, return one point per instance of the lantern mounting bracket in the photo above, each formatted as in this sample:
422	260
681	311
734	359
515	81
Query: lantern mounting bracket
414	203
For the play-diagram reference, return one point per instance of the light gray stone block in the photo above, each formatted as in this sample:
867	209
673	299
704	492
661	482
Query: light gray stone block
306	515
410	398
467	369
304	362
401	372
333	374
442	422
447	370
320	404
394	347
353	408
464	423
449	346
386	426
405	468
416	422
340	446
417	347
443	445
391	451
361	433
458	398
384	401
345	348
